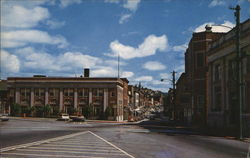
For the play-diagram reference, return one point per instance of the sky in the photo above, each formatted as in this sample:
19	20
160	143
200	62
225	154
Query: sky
62	37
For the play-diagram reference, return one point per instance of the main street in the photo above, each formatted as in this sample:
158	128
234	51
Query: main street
50	138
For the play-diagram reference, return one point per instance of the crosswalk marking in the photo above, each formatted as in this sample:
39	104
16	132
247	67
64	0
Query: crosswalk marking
77	146
82	144
73	149
47	155
74	152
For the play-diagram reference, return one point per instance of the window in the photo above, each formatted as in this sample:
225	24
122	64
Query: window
200	103
232	69
217	72
97	92
217	99
200	59
68	92
83	92
39	92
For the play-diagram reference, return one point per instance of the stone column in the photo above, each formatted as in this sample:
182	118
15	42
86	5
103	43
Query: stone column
90	96
106	96
61	99
46	96
32	97
75	98
17	96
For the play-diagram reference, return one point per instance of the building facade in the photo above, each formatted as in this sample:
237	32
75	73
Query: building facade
223	107
196	74
65	94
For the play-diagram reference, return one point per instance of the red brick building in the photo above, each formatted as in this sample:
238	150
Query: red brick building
66	93
196	74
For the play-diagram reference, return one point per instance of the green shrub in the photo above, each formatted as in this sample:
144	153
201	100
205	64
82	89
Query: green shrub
15	109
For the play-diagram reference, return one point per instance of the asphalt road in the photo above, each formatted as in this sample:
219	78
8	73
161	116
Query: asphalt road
112	140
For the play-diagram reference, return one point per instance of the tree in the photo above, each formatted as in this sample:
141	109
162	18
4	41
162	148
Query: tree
27	110
88	111
15	109
47	110
108	111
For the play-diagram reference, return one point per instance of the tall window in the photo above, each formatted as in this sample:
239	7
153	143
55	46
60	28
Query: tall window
232	70
97	92
53	92
200	59
217	99
83	92
68	92
39	92
217	72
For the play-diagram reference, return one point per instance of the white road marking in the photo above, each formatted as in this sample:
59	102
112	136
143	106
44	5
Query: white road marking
97	146
73	152
112	144
74	149
78	146
41	142
47	155
104	145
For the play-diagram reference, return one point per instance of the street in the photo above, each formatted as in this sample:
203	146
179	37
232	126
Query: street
50	138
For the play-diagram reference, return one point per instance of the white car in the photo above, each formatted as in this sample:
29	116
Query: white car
4	117
64	117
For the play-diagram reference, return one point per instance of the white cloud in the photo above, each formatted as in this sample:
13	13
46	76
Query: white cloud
53	24
77	59
180	48
165	75
65	62
21	17
9	62
154	65
144	78
104	71
150	46
225	27
127	74
132	5
24	37
112	1
65	3
217	3
124	18
114	63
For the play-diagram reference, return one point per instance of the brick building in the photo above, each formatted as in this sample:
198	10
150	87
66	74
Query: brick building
196	74
223	107
67	93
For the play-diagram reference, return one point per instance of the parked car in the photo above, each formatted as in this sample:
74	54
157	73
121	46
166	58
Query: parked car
63	117
4	117
79	118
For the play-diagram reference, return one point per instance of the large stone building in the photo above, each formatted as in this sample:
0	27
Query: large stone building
66	93
223	107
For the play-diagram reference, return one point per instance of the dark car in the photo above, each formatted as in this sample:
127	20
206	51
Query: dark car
79	118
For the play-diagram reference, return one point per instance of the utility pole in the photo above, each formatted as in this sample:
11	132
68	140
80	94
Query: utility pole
174	93
239	67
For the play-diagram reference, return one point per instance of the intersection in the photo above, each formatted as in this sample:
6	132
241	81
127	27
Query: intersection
49	138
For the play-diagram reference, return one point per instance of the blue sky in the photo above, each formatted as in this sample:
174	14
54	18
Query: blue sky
61	37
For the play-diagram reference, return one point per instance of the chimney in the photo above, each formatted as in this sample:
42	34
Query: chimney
86	72
208	28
